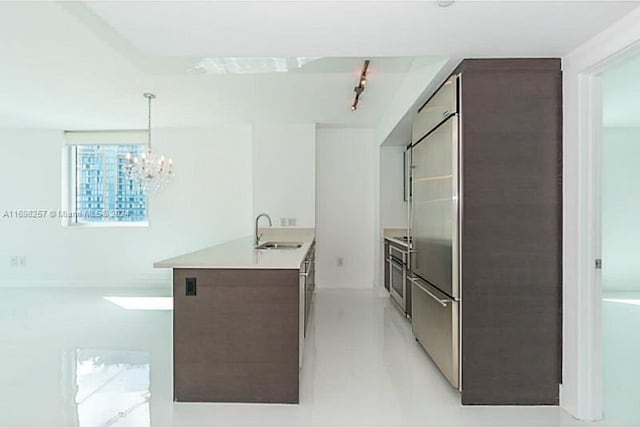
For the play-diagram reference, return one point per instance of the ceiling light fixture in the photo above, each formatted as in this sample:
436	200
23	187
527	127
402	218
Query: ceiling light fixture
360	88
149	170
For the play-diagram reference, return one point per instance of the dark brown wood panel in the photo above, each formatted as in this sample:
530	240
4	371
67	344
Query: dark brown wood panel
237	339
386	265
511	225
509	64
408	289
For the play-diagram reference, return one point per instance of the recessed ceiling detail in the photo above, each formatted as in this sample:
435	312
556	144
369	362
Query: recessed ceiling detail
384	28
100	55
243	65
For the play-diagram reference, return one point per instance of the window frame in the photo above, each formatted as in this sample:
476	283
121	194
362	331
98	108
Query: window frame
71	203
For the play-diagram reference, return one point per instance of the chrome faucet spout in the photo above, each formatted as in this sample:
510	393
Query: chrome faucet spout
257	241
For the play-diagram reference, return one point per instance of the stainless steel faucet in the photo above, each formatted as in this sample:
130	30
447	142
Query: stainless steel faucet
257	220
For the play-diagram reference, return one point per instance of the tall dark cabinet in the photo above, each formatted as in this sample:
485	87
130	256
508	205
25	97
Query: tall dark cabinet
509	118
511	251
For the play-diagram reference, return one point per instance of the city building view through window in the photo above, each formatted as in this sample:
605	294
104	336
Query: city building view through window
104	191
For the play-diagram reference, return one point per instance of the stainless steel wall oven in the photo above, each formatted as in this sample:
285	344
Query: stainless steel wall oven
398	258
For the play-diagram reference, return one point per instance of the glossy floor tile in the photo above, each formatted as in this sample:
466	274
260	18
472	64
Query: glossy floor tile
74	357
621	356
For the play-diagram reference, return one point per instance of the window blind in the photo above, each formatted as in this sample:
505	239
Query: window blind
106	137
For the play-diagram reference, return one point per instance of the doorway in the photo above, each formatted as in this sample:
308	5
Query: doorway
581	392
620	237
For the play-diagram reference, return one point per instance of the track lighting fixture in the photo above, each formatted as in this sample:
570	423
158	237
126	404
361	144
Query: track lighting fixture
361	83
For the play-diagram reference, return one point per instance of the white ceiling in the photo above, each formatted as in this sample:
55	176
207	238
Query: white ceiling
621	94
63	68
85	65
356	28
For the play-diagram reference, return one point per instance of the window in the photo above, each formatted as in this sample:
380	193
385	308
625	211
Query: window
100	189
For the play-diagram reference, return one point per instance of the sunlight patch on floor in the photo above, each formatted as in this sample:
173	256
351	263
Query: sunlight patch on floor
622	301
142	303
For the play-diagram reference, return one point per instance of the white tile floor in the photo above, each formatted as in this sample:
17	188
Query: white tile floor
621	356
74	358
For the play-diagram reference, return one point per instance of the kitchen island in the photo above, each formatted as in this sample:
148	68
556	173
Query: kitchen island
239	319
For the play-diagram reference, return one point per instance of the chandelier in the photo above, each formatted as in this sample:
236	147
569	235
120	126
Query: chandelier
150	170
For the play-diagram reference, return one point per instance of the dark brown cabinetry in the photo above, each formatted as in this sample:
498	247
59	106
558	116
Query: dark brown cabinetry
506	115
511	221
236	340
238	334
386	265
307	275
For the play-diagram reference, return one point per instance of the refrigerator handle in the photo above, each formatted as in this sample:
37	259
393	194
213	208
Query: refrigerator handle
442	302
410	212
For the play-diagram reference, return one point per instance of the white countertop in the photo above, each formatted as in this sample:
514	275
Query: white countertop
395	235
241	253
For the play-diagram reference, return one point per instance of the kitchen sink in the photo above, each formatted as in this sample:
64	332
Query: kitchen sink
280	245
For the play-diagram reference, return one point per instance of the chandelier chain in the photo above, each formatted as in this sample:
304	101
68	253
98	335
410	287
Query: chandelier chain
149	170
149	123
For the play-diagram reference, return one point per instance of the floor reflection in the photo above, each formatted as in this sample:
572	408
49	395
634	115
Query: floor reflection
112	388
620	355
71	357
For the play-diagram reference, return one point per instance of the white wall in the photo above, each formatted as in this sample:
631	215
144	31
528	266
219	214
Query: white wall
581	391
620	208
419	78
207	202
345	210
284	172
392	207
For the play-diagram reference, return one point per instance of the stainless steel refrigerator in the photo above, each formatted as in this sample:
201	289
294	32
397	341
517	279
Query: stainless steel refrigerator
434	224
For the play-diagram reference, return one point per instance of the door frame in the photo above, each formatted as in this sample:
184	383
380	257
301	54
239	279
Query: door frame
582	392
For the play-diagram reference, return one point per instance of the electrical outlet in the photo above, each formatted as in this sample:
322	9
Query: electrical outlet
340	261
283	222
291	222
18	261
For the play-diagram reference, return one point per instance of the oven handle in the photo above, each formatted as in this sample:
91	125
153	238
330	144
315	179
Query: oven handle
442	302
402	251
396	263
